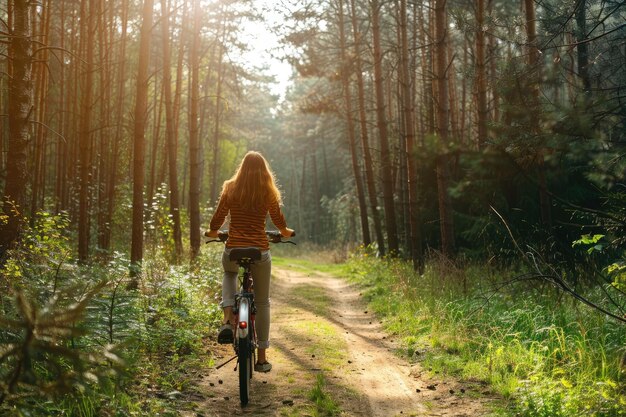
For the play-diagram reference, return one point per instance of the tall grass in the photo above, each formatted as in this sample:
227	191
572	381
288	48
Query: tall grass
545	354
325	405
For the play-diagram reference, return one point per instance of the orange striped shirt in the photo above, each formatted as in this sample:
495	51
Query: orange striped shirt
247	227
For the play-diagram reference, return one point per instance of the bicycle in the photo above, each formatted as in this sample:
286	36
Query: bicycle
244	340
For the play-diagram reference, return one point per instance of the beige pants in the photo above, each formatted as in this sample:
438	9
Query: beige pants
261	272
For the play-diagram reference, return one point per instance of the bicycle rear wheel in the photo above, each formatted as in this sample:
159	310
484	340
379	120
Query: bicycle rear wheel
246	361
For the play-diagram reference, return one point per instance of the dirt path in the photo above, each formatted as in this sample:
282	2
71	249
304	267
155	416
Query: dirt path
322	335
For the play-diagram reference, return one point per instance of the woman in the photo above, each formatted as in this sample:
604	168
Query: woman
249	196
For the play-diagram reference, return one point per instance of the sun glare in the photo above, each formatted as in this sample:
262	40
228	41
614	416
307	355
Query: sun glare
262	47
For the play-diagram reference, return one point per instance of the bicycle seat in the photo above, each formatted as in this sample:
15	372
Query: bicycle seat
237	254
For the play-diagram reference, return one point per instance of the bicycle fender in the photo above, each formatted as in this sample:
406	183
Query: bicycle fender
244	316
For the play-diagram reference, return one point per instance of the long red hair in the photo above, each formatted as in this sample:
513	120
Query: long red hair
253	186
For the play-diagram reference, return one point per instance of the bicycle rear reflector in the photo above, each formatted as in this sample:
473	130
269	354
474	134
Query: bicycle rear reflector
243	324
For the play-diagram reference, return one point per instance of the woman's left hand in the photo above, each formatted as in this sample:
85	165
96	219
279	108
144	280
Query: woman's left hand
287	232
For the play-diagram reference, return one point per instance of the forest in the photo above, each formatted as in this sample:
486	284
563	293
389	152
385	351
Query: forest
465	159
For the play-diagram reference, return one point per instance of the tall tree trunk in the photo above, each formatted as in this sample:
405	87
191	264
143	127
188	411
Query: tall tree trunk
73	168
180	73
427	59
464	132
40	75
493	77
194	142
481	74
85	131
409	127
218	109
404	233
582	45
107	33
534	65
452	92
156	146
356	170
66	91
385	158
403	177
4	68
315	187
60	144
141	110
296	191
303	194
442	129
367	154
20	104
170	132
105	236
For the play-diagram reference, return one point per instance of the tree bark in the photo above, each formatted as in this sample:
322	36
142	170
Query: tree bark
409	128
442	129
356	170
367	154
582	45
534	65
428	67
303	194
170	133
40	76
481	77
104	240
106	36
194	142
452	91
103	140
218	109
153	183
315	230
85	131
493	77
20	105
385	158
141	107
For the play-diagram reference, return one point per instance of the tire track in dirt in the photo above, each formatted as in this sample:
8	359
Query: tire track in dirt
320	325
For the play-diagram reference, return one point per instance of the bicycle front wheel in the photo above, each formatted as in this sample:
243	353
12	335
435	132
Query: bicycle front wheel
246	361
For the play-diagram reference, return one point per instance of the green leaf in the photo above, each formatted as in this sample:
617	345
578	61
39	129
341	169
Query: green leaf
587	240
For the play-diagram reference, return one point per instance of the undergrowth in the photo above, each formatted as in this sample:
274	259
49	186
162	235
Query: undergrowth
76	341
545	354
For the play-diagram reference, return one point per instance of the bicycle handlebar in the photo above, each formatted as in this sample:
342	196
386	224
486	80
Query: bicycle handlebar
274	236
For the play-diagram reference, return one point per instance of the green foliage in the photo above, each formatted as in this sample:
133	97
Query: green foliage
550	357
591	242
159	223
345	210
76	340
617	270
39	263
45	338
38	356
